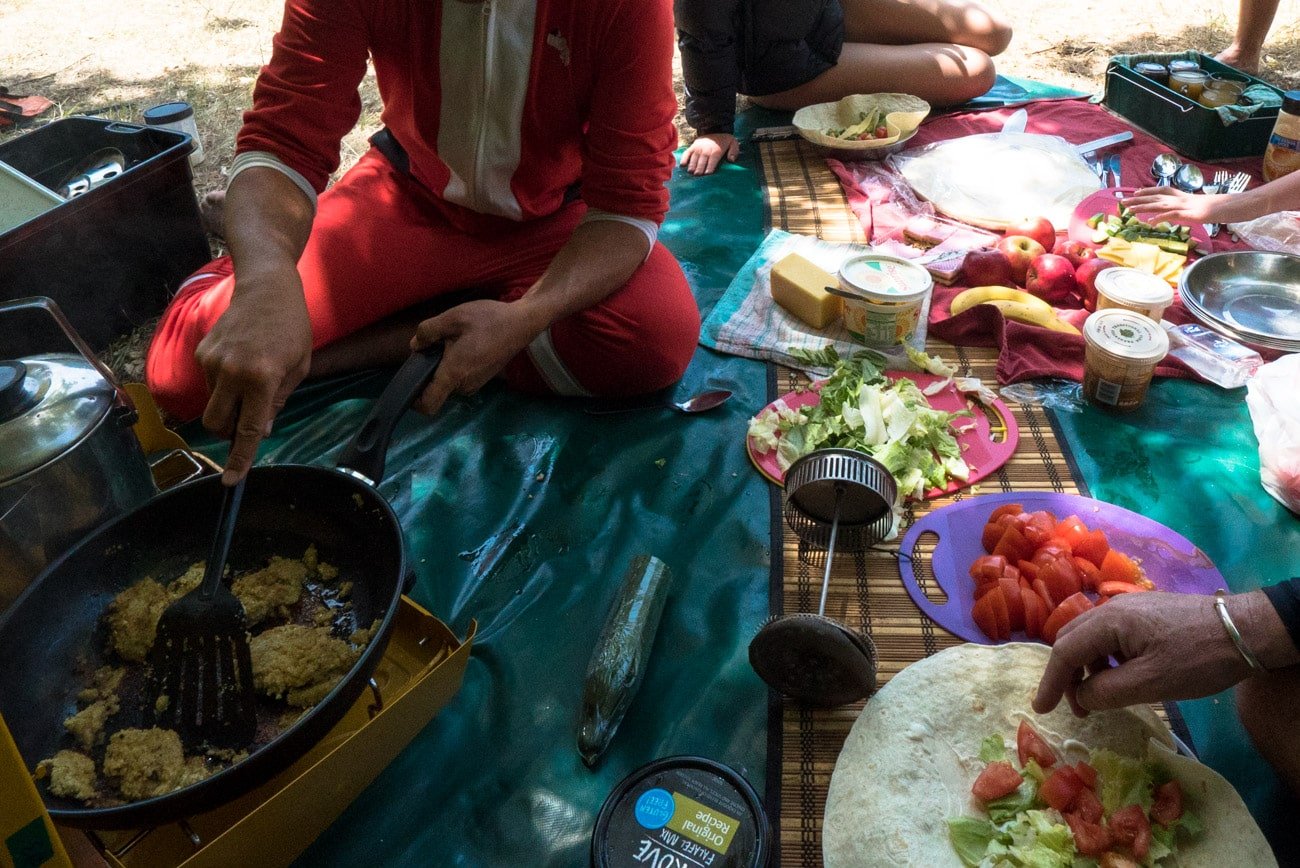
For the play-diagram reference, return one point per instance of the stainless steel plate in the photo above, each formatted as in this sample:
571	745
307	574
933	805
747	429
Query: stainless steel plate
1256	343
1255	294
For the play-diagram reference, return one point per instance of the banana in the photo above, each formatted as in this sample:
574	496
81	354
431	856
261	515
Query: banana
1033	315
981	294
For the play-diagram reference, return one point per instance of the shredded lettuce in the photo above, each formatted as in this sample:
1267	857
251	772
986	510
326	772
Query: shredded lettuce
993	749
970	837
1005	809
1122	781
1040	840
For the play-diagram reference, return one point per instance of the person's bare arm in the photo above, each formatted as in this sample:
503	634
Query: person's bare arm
1170	646
1155	204
482	336
260	349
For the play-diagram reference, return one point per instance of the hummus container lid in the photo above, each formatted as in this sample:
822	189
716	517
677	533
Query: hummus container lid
878	277
1126	335
48	403
1136	287
683	809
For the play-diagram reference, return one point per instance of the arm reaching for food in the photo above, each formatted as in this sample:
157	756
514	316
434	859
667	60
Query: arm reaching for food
1155	204
1170	647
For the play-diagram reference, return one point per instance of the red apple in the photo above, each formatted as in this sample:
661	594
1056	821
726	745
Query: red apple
1075	251
1086	276
1038	228
1051	278
987	266
1020	251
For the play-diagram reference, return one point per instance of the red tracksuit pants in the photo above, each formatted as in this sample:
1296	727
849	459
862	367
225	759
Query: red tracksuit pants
379	245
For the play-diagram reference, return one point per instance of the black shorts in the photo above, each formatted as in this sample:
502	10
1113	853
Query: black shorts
788	43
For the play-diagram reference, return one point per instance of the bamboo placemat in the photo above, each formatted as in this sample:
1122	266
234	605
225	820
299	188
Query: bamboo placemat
803	195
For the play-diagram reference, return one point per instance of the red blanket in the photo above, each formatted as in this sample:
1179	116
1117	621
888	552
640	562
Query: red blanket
1028	351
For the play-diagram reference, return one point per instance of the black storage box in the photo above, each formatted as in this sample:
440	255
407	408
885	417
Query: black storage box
113	256
1184	124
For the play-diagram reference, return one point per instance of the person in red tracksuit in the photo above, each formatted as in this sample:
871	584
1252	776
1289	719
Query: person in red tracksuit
523	157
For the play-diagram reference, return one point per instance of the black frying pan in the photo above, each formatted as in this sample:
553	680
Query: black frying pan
51	637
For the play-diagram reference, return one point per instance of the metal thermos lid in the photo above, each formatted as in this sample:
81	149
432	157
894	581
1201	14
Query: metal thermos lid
48	403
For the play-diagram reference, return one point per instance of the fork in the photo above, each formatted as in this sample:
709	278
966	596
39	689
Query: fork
1217	185
1239	182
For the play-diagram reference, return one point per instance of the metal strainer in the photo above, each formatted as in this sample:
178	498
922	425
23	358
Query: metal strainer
833	496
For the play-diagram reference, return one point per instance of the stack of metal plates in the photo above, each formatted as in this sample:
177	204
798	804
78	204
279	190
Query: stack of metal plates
1252	297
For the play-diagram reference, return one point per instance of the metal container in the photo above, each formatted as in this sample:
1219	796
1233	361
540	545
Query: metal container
69	460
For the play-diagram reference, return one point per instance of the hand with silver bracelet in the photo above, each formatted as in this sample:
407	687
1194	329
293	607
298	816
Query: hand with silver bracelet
1169	647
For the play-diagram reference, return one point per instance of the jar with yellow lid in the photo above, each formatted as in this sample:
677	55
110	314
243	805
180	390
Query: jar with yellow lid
1121	351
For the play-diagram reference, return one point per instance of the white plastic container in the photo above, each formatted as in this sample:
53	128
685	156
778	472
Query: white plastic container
1121	351
1134	289
178	116
889	295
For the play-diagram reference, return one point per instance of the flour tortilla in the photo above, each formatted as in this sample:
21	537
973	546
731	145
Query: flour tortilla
996	179
903	114
911	757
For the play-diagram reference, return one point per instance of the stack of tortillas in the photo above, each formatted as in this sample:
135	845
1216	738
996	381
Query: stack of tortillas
911	757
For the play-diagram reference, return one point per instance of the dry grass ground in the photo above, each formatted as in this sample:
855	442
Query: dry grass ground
116	59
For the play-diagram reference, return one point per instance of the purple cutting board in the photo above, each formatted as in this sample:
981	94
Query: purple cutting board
1170	561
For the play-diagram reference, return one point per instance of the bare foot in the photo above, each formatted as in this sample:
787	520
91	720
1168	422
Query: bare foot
1233	56
212	211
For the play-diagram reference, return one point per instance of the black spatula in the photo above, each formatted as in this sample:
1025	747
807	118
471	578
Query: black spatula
200	657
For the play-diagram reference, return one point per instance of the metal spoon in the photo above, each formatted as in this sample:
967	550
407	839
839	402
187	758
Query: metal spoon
701	402
1163	168
1189	179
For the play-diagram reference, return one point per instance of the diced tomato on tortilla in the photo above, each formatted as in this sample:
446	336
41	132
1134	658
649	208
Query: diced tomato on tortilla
1087	806
1119	567
1090	839
1129	828
997	780
1114	589
1015	607
1087	774
1089	575
1030	745
1168	806
1093	547
1013	545
1071	607
1061	788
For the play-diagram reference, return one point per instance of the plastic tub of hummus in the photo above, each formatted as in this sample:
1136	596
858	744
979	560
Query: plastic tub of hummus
888	294
1135	290
1121	351
682	811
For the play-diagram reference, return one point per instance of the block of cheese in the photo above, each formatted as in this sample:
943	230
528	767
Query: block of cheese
799	286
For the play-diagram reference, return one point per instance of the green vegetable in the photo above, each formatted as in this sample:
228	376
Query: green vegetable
970	837
892	421
1038	841
1034	771
1006	809
993	749
1122	781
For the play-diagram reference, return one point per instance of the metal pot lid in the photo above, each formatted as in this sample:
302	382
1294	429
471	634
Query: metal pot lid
48	403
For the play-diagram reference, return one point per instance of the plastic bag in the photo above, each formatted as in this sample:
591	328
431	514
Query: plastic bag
1274	406
1279	233
994	179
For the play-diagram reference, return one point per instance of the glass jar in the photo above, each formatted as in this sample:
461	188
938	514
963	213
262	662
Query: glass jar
1188	82
1183	66
1157	72
1121	351
1223	82
1214	96
178	116
1282	157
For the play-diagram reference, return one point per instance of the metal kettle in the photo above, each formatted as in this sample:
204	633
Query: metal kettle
69	460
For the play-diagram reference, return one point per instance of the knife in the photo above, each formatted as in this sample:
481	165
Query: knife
1098	144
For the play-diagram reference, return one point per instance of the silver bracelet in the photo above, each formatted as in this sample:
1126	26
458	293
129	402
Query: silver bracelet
1234	634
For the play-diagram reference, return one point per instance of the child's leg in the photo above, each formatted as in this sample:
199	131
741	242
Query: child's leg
909	22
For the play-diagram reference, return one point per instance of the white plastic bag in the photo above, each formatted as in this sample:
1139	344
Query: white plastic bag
1279	233
1274	404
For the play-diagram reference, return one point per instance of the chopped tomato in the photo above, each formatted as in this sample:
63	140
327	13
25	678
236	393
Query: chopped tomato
1114	589
1071	607
991	616
988	568
1061	579
1012	509
1011	573
1119	567
1102	599
1040	527
1050	551
1036	612
1089	575
1093	547
1030	745
1130	828
997	780
1087	774
983	588
992	533
1041	590
1090	839
1087	806
1168	805
1013	545
1015	608
1072	530
1061	788
1028	568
